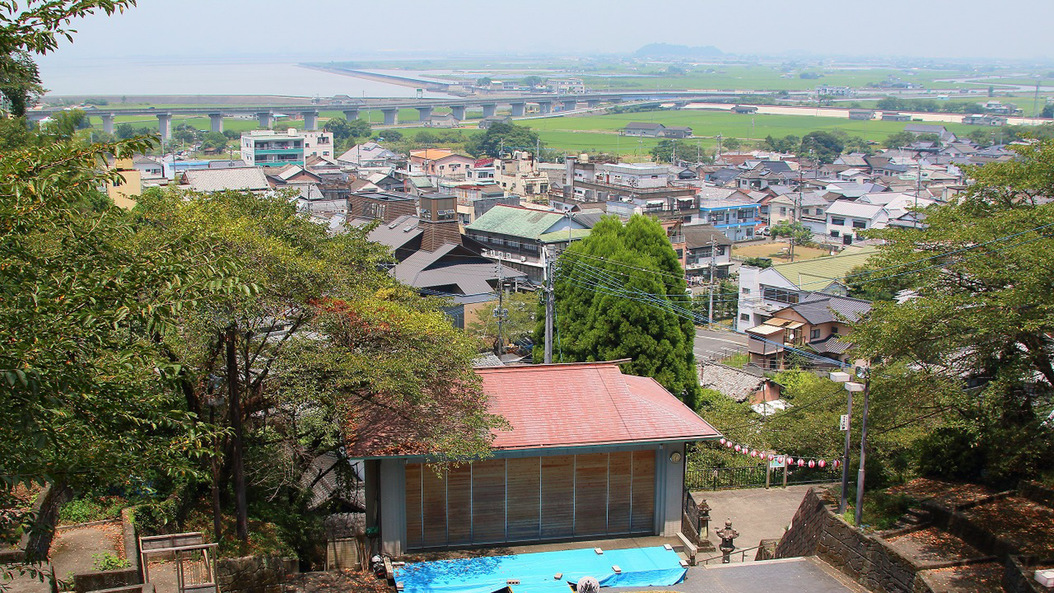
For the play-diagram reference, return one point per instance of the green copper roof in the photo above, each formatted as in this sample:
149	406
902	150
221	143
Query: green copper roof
816	274
516	222
561	236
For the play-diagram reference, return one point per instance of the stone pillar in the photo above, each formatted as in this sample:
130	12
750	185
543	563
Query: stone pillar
391	116
310	120
265	119
423	113
107	123
458	111
164	126
545	107
216	120
518	109
570	104
351	114
489	109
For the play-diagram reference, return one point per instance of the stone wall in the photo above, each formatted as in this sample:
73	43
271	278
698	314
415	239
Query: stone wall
1019	576
804	534
106	579
35	542
252	574
817	530
1037	493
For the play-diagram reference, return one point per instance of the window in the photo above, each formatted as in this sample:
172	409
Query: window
783	210
746	290
780	295
680	253
744	316
814	334
837	221
834	330
859	224
834	233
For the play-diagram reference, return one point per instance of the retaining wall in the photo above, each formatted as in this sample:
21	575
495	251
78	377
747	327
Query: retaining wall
253	574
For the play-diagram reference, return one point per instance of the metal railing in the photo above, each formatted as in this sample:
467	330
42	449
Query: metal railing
741	553
730	478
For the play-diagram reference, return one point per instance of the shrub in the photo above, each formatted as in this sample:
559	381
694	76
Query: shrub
109	561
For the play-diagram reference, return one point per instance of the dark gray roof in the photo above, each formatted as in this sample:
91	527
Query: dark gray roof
639	125
700	235
398	232
452	266
825	308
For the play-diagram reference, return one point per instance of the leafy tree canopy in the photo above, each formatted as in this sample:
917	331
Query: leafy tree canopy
597	322
975	339
502	138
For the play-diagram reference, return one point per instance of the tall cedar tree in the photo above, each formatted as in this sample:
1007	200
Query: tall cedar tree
595	323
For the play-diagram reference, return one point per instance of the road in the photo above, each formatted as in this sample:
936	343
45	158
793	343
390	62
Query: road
718	344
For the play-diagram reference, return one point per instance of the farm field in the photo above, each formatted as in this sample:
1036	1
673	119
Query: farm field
709	124
778	251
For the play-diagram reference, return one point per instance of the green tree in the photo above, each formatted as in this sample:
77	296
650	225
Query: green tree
483	81
501	138
973	346
890	104
1048	110
732	143
899	139
614	291
789	143
533	81
215	141
824	146
665	150
309	309
520	310
795	232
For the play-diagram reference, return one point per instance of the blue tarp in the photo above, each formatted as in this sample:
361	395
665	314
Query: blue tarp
641	567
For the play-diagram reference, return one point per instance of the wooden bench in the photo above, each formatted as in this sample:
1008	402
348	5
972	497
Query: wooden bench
690	549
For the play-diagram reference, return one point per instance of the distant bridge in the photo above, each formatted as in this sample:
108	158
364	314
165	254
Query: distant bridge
390	107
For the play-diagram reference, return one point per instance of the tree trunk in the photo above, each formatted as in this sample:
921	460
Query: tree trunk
233	389
217	508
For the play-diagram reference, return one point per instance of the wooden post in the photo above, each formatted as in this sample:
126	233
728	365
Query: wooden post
785	464
768	475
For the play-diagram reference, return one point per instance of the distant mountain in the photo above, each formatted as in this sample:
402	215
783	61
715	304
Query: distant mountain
668	50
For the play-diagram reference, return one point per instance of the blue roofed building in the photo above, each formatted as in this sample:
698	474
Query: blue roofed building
735	219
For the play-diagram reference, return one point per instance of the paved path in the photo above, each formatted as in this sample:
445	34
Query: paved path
718	345
756	513
805	575
72	551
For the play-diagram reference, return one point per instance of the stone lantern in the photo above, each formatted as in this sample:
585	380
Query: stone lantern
727	536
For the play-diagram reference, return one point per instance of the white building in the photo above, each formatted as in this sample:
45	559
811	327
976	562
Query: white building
846	220
763	291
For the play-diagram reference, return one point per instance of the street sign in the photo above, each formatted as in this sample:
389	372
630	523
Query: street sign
843	422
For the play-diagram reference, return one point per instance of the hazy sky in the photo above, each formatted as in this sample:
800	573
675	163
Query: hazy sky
333	29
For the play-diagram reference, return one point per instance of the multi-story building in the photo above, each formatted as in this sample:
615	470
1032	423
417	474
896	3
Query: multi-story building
520	175
735	219
816	324
629	189
525	239
269	148
706	248
763	291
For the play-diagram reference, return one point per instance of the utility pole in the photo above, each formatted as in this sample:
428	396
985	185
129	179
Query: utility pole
713	263
499	344
795	209
863	454
550	309
845	456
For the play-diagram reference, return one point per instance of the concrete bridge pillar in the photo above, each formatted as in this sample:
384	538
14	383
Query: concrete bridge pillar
545	107
458	111
391	116
570	104
489	109
593	103
265	119
351	114
310	120
518	109
423	113
164	126
216	121
107	123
